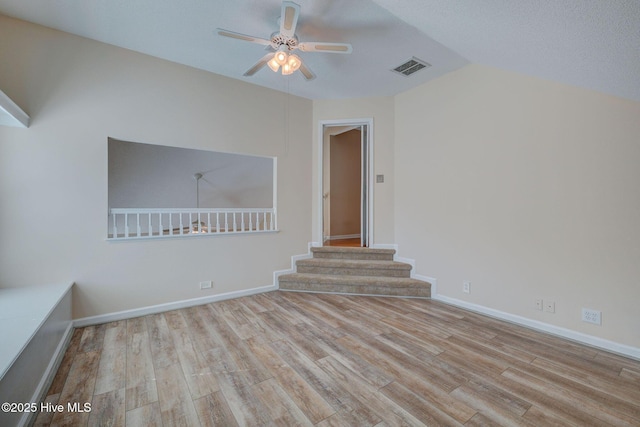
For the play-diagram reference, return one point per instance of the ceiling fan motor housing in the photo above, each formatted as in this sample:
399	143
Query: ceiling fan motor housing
278	40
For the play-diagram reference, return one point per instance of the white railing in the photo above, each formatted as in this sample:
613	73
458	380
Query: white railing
133	223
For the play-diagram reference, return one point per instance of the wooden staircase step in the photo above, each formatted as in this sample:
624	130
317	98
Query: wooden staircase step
352	267
363	285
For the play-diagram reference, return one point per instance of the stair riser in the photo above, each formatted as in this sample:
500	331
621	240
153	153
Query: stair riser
362	271
356	256
381	272
356	289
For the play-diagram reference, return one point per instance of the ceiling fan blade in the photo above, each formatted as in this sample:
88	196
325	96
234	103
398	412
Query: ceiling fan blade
289	18
243	37
306	72
325	47
258	66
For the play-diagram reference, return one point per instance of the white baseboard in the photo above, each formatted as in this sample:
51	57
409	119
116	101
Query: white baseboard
412	263
396	257
160	308
294	258
409	261
432	280
614	347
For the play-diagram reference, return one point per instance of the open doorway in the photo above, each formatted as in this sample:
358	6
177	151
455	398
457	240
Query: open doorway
346	183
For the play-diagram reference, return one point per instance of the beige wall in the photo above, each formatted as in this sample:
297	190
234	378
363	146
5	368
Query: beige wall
382	112
53	176
526	188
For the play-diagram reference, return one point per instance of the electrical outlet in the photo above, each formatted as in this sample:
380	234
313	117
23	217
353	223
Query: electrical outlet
466	287
550	306
206	285
538	304
592	316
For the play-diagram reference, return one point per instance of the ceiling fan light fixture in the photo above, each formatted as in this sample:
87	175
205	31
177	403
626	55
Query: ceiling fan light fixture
281	56
294	62
286	69
273	64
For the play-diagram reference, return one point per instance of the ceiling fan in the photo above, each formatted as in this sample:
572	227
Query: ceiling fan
282	43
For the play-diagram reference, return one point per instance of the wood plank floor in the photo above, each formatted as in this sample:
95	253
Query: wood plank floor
332	360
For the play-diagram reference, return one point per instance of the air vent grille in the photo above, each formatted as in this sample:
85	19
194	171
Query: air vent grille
411	66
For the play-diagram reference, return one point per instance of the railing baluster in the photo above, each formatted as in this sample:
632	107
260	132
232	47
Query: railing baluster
194	221
115	226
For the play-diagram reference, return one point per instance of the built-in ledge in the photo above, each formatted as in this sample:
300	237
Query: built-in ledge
35	325
11	114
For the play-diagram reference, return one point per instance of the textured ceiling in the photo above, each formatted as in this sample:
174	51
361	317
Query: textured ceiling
588	43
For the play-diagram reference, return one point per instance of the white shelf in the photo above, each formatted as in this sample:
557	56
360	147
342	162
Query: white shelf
22	312
11	114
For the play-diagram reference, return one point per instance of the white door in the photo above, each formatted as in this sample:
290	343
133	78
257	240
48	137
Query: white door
336	127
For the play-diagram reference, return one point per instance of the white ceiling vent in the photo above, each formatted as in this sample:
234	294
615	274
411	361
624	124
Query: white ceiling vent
411	66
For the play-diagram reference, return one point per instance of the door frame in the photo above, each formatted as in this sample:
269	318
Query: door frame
367	175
